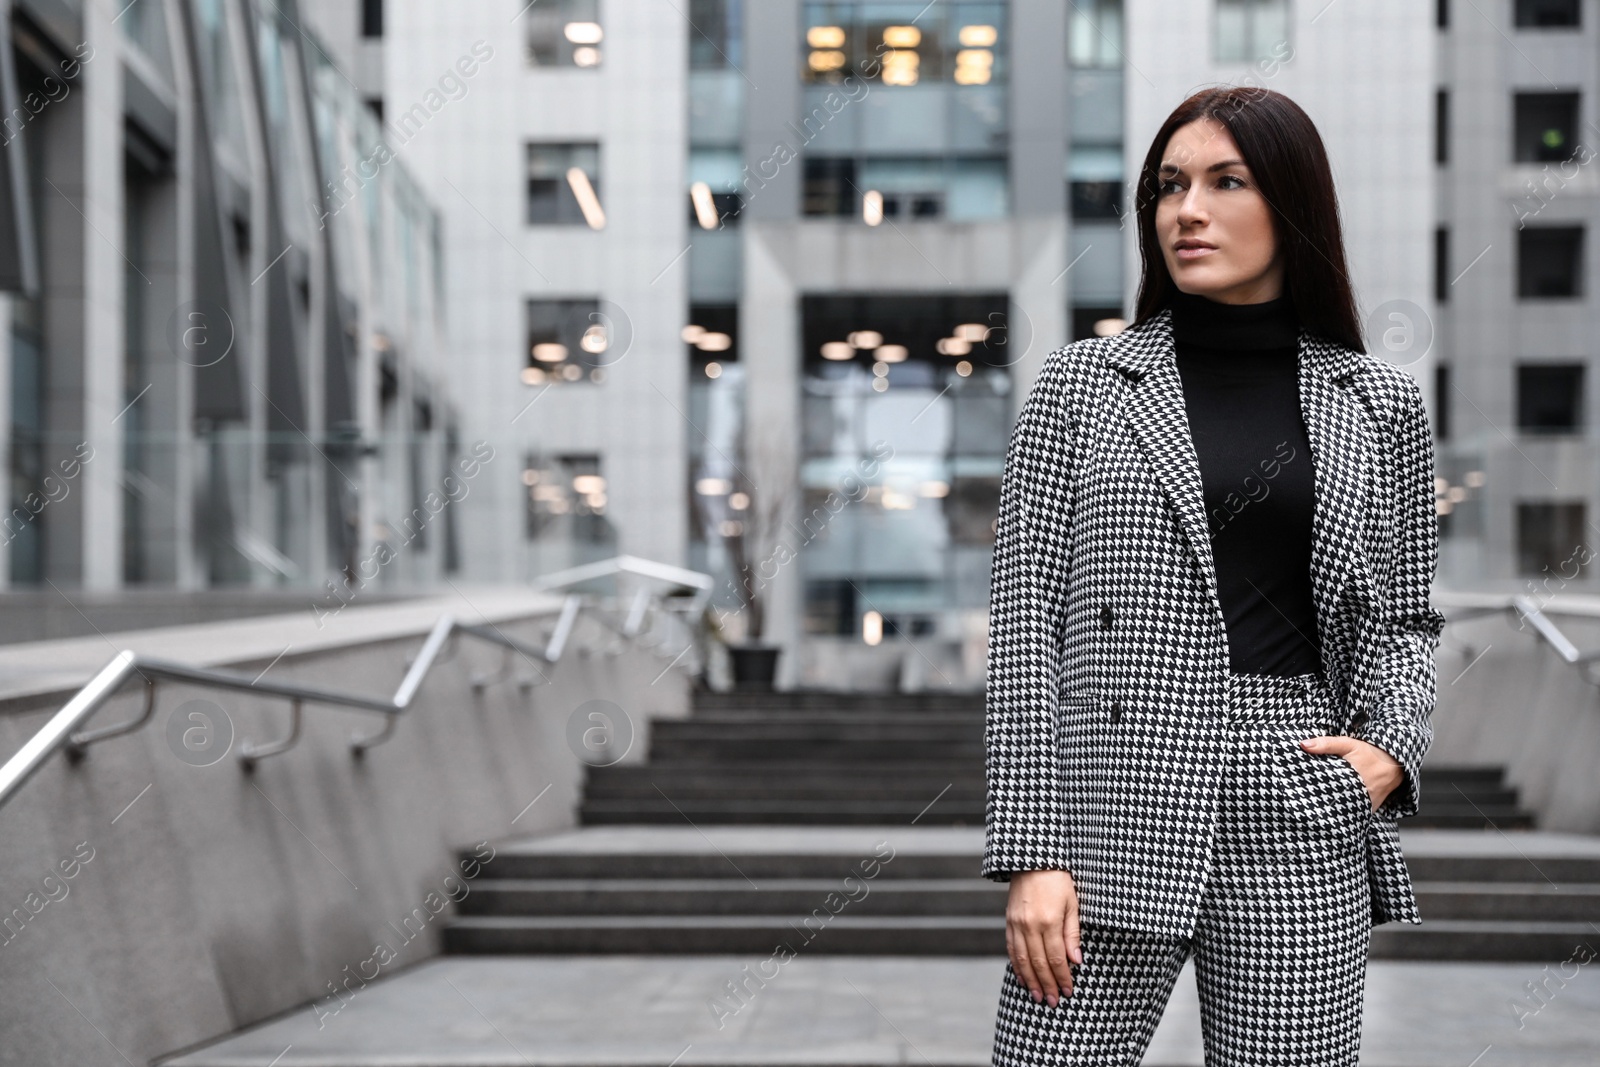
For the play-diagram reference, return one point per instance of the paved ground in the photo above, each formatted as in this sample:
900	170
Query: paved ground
626	1010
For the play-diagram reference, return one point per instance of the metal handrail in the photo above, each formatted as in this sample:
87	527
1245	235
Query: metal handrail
62	731
1525	610
58	732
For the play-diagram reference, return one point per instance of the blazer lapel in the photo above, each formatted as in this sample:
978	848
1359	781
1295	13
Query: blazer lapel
1341	438
1336	426
1155	412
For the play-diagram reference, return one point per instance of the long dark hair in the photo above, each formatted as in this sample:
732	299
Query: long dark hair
1285	154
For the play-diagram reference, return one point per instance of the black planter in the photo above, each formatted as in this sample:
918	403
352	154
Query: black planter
754	666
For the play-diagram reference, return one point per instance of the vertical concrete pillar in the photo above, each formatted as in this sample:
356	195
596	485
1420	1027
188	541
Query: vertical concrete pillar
103	309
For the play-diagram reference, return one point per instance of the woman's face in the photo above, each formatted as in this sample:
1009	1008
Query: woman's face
1214	226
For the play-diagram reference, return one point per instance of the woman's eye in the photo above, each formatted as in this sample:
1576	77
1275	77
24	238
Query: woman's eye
1167	185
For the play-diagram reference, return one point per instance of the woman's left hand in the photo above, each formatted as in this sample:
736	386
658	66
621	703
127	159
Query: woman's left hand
1380	772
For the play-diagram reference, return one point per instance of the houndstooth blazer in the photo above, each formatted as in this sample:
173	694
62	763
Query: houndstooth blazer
1108	657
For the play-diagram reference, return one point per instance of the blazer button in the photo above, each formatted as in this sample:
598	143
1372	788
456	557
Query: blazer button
1106	617
1116	711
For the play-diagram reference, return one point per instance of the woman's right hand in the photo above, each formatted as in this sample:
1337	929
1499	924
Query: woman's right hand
1042	932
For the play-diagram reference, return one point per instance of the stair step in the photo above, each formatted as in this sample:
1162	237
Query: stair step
845	934
1468	819
1531	901
734	896
782	811
832	724
754	789
1572	873
823	700
847	812
732	868
1462	939
721	751
734	934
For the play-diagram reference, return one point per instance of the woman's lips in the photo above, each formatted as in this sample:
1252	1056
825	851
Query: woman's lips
1194	253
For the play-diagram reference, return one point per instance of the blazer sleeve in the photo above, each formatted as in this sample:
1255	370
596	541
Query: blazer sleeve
1023	820
1407	628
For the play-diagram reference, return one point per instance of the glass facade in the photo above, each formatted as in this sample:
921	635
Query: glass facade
906	413
277	416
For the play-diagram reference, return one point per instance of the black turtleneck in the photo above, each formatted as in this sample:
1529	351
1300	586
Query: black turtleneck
1239	364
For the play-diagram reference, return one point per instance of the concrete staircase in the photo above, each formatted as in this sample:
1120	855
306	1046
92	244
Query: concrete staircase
836	759
751	824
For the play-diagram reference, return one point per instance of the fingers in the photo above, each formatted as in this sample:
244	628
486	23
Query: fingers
1055	950
1074	933
1042	934
1017	949
1040	963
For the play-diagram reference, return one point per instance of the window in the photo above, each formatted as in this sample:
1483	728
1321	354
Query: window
1550	397
1094	177
905	416
933	140
569	341
719	497
1096	322
714	182
1094	33
1441	264
1546	126
916	339
1441	400
1535	14
906	188
1441	126
1548	259
562	33
1441	14
716	34
712	337
904	44
1550	539
564	185
372	18
1247	30
566	499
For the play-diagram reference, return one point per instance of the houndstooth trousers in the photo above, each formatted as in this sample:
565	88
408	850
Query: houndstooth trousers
1280	943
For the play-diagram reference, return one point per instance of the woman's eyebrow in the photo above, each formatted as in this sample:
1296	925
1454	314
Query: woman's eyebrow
1173	168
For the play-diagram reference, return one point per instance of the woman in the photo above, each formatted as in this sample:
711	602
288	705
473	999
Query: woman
1211	646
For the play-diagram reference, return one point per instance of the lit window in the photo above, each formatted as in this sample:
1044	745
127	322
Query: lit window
563	33
957	42
568	341
564	185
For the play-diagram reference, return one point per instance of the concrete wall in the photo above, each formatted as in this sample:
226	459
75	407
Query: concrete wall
1506	697
203	898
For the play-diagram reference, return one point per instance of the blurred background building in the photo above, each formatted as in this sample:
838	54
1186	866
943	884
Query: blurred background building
841	281
732	286
225	351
